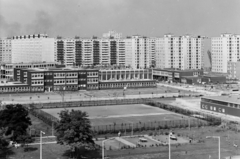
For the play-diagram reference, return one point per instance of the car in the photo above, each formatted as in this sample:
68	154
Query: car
142	140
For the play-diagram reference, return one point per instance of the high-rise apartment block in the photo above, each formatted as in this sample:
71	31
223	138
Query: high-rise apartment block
183	52
225	52
112	34
5	50
32	48
135	51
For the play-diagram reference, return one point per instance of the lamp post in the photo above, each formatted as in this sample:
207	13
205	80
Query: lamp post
132	128
169	144
52	128
41	132
103	145
189	124
219	142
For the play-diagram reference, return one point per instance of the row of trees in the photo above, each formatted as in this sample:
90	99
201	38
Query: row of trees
14	122
73	129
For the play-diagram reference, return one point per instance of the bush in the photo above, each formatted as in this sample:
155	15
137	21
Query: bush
150	134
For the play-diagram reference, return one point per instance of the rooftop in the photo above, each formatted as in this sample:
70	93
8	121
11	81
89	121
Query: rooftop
57	69
191	77
177	70
230	98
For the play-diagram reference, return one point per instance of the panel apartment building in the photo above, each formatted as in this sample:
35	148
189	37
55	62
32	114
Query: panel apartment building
32	48
180	52
135	52
225	53
5	50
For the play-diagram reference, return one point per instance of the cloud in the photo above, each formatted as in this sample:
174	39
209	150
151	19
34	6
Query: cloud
8	29
43	23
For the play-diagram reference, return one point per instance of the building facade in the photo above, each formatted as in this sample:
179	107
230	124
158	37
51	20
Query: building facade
112	34
229	105
75	79
225	49
233	70
5	50
7	69
183	52
174	75
32	48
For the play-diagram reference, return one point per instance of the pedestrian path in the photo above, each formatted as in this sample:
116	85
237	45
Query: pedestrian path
125	142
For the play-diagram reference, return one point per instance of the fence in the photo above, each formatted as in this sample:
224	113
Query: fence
87	103
201	120
154	125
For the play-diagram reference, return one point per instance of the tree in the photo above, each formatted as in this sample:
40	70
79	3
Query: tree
74	130
15	118
4	142
4	139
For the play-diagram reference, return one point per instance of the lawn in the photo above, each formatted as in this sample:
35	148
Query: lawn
111	144
138	114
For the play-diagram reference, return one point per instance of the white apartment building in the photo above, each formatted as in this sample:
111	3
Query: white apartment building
69	52
112	34
5	50
88	52
224	49
137	52
32	48
121	49
183	52
105	51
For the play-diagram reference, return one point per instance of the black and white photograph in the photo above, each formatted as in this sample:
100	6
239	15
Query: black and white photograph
119	79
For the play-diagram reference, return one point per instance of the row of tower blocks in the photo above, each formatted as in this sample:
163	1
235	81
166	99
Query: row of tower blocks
137	52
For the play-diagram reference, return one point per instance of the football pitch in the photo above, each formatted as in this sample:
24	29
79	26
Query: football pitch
135	113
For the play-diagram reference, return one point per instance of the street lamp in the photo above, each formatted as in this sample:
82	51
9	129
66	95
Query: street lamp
41	132
189	124
103	145
169	144
52	128
219	142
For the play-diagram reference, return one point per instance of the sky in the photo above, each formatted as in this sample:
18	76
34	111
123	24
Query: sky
85	18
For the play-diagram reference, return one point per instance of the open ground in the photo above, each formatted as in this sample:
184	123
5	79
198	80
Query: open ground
89	95
118	114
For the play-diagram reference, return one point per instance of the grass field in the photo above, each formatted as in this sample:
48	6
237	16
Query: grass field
136	113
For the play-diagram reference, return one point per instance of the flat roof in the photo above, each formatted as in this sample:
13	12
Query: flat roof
176	70
126	81
230	99
213	75
56	69
190	77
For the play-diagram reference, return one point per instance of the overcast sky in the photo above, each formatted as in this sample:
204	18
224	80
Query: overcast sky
94	17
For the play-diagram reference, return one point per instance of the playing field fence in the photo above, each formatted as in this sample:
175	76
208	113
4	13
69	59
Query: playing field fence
196	119
153	125
87	103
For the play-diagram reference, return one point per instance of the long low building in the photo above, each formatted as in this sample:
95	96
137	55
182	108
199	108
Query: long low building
74	79
229	105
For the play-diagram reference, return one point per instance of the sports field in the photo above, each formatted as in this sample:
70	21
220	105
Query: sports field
136	113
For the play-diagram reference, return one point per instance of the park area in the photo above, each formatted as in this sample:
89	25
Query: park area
118	114
199	148
127	117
